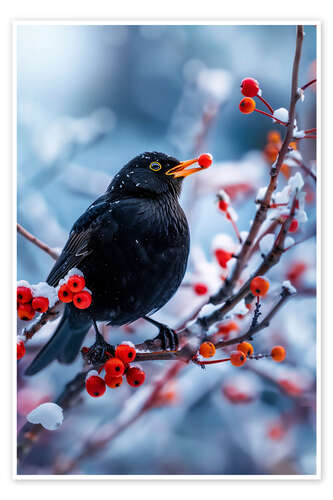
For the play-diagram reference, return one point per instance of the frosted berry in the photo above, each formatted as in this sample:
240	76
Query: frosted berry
25	312
76	283
223	257
82	300
64	294
135	376
113	382
40	304
114	367
200	289
207	349
24	295
249	87
247	105
20	349
246	348
237	358
95	386
278	353
205	160
293	226
259	286
126	353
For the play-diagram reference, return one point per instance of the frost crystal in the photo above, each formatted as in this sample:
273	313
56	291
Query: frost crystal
49	415
281	114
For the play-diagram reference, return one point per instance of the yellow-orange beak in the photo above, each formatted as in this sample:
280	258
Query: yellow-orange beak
180	170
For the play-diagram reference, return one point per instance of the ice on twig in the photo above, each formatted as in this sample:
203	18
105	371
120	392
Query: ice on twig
291	289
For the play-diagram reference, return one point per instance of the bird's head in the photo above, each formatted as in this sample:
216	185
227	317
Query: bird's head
154	173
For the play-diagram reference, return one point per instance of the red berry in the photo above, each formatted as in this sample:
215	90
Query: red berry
76	283
247	105
64	294
205	160
259	286
113	382
293	226
200	289
95	386
237	358
25	312
24	295
20	349
296	271
223	206
126	353
135	376
82	300
114	367
40	304
278	353
249	87
223	257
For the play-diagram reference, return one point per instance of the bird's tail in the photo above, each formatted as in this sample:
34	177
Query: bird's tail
64	344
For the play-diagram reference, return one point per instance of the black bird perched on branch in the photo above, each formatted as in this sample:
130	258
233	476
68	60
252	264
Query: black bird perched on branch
132	246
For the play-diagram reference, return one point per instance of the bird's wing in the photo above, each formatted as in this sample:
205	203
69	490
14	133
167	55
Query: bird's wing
78	244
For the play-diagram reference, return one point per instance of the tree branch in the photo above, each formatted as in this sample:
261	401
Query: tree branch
40	244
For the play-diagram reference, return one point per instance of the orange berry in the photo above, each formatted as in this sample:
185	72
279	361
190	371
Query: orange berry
20	349
274	136
64	294
247	105
95	386
82	300
126	353
246	348
76	283
259	286
24	295
113	382
271	151
135	376
207	349
40	304
25	312
237	358
278	353
114	367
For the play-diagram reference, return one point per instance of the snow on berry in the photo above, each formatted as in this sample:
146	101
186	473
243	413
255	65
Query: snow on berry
49	415
281	114
42	289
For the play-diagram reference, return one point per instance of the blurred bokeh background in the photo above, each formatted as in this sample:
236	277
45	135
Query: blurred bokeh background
89	99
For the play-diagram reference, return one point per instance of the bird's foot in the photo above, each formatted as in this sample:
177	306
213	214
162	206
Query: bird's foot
99	352
168	337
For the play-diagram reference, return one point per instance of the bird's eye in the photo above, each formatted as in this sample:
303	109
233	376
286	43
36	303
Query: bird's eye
155	166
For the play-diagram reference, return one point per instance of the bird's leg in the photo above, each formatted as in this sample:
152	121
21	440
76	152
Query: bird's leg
167	336
100	351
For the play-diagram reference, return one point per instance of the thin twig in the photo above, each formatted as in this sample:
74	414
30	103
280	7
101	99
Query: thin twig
40	244
265	203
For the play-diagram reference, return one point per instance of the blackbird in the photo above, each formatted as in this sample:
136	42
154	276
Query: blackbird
132	245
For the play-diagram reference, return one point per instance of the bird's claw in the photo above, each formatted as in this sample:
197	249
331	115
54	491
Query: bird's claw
168	337
99	352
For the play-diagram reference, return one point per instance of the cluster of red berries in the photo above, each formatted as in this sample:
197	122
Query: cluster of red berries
115	368
28	305
73	290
